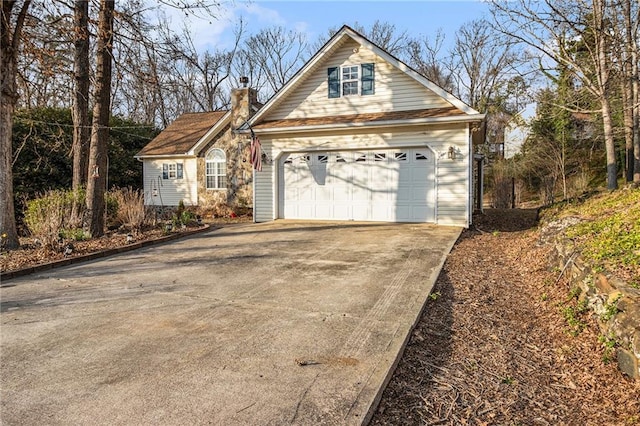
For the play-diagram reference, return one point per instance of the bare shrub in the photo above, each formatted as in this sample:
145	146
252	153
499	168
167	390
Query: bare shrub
130	211
54	215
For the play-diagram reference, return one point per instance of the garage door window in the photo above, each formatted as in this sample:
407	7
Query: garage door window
400	156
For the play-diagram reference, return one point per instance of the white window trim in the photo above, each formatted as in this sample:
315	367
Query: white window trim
216	175
172	171
169	171
343	80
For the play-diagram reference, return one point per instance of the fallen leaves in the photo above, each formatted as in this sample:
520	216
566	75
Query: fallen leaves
493	348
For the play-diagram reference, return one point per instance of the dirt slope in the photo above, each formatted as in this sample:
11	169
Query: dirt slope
493	345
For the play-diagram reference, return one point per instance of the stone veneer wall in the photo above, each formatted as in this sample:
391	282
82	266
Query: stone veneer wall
615	302
239	191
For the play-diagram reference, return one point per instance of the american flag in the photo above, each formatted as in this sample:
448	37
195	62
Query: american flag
256	153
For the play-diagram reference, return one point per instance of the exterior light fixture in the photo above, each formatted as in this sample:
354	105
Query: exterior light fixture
265	159
451	154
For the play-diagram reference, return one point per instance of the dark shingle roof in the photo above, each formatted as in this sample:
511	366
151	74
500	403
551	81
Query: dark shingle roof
181	135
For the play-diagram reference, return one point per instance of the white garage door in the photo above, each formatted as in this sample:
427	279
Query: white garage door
382	185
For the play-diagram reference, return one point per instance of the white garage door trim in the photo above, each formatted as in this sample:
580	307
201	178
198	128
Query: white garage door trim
396	184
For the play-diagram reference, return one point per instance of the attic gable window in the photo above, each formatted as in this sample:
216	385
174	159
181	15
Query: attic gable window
350	80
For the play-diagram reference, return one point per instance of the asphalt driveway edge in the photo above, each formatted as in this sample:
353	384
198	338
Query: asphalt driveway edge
5	276
432	280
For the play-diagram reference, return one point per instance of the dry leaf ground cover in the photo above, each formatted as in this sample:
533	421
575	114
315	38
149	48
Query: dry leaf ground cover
493	345
31	254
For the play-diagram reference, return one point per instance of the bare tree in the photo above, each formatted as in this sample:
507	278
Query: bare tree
553	29
426	58
625	17
484	63
200	76
383	34
11	24
80	110
98	151
44	75
278	52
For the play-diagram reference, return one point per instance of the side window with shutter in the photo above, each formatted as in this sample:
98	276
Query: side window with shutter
368	79
165	171
333	75
179	172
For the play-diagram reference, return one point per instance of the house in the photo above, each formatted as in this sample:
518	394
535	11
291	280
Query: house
200	160
358	135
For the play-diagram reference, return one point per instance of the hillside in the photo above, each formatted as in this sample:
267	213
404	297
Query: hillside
494	345
606	231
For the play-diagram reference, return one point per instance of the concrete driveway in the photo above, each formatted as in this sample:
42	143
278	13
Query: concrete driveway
277	323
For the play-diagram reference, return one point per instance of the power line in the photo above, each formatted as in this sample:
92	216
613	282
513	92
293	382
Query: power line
54	123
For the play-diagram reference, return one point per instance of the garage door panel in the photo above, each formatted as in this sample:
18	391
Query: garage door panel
382	213
324	211
378	185
420	213
341	211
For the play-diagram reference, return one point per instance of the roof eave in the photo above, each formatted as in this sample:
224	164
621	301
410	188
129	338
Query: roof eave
371	124
152	156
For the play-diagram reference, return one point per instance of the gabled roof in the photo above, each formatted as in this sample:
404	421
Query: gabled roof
184	134
465	111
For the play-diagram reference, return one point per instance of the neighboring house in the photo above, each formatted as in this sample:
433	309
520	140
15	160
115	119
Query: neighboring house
358	135
200	160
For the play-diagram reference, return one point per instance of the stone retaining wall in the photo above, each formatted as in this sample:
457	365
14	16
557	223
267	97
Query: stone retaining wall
614	302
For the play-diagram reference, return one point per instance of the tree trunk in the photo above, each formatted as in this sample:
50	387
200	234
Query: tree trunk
98	151
632	40
9	42
610	146
602	45
80	111
9	233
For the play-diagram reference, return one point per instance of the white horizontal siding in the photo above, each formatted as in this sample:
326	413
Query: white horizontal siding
394	90
453	183
170	191
264	192
451	177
